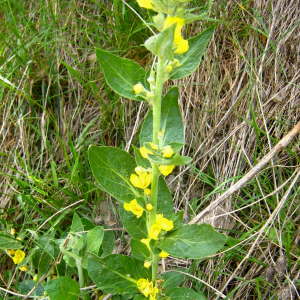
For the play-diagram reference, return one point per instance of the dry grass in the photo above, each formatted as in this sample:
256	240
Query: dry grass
242	99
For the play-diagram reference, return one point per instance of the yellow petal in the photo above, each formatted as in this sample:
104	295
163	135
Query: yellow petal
147	264
168	151
145	3
144	151
135	181
136	209
142	283
127	206
153	146
154	231
19	256
166	170
182	47
146	242
139	170
163	254
24	268
147	192
138	88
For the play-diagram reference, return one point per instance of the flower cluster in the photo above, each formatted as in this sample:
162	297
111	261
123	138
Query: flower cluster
162	224
167	152
146	288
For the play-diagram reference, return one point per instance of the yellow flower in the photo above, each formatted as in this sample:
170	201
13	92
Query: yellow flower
164	223
35	278
168	151
142	181
145	3
147	264
142	283
163	254
166	170
153	293
149	207
146	242
147	192
134	208
153	146
138	88
148	289
182	45
24	268
154	231
144	151
19	256
12	231
169	68
11	252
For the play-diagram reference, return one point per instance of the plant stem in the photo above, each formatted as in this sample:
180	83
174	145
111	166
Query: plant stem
155	172
81	279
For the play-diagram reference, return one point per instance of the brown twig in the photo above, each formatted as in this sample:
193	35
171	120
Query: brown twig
237	186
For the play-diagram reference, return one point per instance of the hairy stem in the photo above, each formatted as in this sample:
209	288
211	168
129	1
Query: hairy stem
81	279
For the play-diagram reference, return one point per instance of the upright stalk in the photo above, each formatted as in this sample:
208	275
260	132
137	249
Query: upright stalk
81	278
155	172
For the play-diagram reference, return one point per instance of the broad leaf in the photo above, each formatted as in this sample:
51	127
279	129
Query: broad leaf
139	250
165	203
112	168
9	242
94	241
184	293
171	121
42	257
190	61
62	288
25	287
162	43
136	227
117	273
177	219
76	224
193	241
120	74
171	280
140	160
108	243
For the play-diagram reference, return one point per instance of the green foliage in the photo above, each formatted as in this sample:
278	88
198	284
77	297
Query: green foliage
193	241
162	43
183	293
62	288
9	242
139	250
120	74
112	168
117	273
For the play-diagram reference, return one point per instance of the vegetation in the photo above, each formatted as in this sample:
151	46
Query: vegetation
241	101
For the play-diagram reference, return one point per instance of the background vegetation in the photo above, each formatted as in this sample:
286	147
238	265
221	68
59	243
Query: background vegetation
242	100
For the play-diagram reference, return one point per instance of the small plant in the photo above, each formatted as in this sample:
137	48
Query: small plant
145	202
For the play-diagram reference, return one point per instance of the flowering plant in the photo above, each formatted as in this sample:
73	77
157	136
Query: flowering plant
137	183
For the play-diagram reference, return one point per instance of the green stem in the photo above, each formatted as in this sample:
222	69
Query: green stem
81	278
155	172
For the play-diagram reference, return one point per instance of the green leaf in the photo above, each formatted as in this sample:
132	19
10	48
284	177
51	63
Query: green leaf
120	74
171	280
76	224
139	250
184	293
176	160
136	227
171	121
193	241
25	287
177	219
42	256
165	203
112	168
190	61
93	243
62	288
140	297
108	243
117	273
9	242
162	43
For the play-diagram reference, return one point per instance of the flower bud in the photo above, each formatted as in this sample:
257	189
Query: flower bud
169	68
153	146
139	170
168	151
12	231
163	254
149	95
147	192
175	62
138	88
35	278
147	264
149	207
